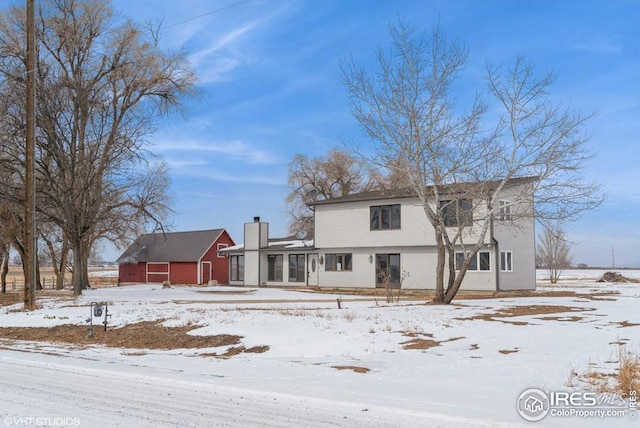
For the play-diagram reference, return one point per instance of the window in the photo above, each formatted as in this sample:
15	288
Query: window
220	247
481	261
296	268
337	262
237	268
274	264
388	270
506	261
457	213
385	217
505	211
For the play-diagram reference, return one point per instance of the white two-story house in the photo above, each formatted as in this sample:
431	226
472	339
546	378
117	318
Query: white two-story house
358	235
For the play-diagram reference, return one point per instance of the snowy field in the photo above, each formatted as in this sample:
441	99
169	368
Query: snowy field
324	366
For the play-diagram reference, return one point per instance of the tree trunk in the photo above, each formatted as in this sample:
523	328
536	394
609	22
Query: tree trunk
453	289
439	297
80	277
38	279
5	268
62	267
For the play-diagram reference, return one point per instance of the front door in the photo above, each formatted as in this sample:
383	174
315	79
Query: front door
312	270
388	270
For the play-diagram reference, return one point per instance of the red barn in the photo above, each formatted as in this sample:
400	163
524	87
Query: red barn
178	257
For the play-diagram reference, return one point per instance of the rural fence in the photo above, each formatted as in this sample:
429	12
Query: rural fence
49	283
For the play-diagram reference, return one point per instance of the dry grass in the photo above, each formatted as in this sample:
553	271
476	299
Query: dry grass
624	380
7	299
428	295
349	316
627	324
420	343
356	369
508	351
292	312
519	311
235	350
628	376
573	318
144	335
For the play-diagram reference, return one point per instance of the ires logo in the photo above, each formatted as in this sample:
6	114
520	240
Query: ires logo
534	404
573	399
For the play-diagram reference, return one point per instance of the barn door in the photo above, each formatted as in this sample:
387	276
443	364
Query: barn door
206	272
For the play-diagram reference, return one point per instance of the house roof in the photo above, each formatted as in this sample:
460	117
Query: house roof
170	247
410	193
285	244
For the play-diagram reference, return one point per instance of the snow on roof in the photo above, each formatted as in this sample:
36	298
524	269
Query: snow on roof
275	244
297	243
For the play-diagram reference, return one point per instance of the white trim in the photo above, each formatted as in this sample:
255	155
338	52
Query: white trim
221	245
504	210
168	272
477	257
510	258
201	271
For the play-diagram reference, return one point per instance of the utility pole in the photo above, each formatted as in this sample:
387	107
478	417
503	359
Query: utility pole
613	257
30	165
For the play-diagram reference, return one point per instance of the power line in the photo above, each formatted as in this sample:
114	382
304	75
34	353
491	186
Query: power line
168	26
207	14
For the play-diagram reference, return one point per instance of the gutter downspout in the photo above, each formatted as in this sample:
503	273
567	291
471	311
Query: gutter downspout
260	254
496	253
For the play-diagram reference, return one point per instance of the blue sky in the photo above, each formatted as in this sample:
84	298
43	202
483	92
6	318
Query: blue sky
269	76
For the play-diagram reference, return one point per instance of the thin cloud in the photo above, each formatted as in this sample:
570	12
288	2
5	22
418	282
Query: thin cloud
235	150
229	49
218	70
222	42
185	164
232	177
597	46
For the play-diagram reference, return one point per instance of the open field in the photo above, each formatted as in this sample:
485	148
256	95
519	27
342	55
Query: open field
225	356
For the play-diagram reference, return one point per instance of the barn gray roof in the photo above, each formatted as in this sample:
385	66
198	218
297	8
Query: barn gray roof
170	247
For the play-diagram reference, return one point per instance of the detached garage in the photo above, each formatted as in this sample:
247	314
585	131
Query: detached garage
178	257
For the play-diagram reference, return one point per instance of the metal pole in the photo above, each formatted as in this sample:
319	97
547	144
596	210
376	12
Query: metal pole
30	184
613	257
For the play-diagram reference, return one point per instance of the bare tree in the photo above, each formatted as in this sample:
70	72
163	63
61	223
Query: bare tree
553	252
57	248
12	233
339	173
103	83
5	249
455	167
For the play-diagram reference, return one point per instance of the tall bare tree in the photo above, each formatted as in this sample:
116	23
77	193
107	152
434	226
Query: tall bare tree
407	109
103	83
339	173
553	251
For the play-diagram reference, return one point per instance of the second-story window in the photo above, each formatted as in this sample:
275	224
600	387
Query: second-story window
457	213
384	217
505	213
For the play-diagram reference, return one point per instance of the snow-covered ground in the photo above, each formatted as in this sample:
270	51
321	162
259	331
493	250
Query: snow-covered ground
474	377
